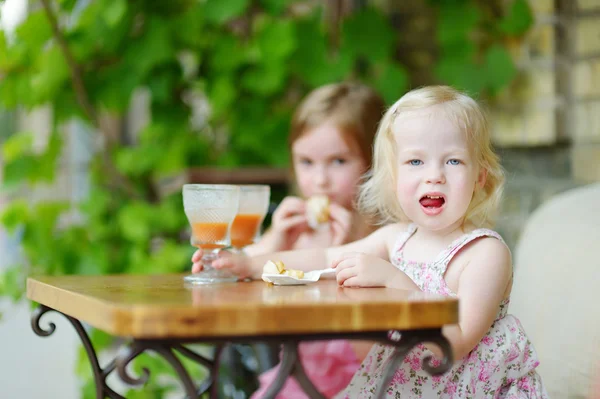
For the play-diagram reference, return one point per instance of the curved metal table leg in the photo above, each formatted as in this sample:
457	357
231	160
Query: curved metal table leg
290	365
102	389
167	350
210	383
404	343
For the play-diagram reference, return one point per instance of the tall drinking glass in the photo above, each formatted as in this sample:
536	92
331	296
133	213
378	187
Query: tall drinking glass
210	209
254	203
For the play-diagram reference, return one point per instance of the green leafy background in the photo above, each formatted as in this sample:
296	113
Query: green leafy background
251	62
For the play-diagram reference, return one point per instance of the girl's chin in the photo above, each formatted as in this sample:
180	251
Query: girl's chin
432	211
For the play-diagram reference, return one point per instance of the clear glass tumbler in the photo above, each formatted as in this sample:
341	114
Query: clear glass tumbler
254	204
210	209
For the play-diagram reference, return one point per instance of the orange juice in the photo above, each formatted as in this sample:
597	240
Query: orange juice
208	235
244	229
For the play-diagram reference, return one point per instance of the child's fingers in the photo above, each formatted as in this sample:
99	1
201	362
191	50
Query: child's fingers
339	233
342	263
342	257
197	267
340	214
197	255
344	274
289	206
223	262
293	222
352	282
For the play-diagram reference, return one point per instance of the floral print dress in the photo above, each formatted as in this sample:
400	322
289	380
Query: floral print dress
502	365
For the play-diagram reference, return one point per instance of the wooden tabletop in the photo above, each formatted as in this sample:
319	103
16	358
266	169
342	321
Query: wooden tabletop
163	306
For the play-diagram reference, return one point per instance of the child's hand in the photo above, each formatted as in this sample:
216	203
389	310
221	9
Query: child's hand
237	264
356	269
289	221
341	224
197	261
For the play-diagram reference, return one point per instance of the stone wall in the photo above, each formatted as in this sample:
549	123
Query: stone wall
582	31
549	131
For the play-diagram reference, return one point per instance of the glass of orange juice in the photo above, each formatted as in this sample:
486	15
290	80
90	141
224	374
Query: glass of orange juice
254	203
210	209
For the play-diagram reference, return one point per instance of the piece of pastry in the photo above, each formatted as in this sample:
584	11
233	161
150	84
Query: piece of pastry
277	267
317	210
294	273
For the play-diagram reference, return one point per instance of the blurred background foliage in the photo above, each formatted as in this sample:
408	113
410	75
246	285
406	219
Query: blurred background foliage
223	77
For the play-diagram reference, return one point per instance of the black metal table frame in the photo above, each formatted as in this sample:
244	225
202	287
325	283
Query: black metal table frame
289	366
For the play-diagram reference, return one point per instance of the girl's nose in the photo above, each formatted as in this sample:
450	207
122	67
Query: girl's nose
435	175
321	176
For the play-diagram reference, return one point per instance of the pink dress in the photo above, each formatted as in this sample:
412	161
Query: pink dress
330	366
502	365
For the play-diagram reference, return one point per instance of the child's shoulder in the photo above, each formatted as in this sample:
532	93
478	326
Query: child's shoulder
485	237
487	246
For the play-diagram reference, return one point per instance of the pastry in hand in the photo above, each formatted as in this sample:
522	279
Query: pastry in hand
317	210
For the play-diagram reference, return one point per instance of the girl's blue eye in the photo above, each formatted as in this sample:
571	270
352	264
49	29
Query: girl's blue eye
305	161
339	161
453	162
415	162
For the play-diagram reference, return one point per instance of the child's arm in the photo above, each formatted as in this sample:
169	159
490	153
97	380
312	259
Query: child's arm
483	283
372	268
288	222
304	259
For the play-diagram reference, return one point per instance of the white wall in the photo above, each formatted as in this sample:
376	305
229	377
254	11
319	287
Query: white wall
33	366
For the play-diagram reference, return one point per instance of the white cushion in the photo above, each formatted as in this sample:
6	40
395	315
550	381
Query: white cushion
556	292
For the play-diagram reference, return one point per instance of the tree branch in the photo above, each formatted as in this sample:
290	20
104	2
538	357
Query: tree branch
75	70
84	101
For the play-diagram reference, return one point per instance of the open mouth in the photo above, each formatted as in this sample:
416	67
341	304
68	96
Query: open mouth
432	201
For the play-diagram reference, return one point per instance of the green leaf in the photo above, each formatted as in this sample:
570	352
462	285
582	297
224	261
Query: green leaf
161	85
220	11
134	221
137	161
12	283
222	93
228	53
455	22
46	216
275	6
4	62
67	5
518	20
15	214
276	40
16	146
114	12
188	28
265	80
52	74
461	74
500	69
35	31
312	62
368	33
173	156
22	165
392	82
16	91
170	258
152	49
